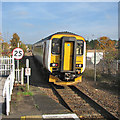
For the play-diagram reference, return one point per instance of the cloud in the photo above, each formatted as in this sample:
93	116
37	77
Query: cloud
28	25
22	13
108	16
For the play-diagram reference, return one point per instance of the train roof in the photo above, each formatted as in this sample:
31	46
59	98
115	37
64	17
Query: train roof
64	32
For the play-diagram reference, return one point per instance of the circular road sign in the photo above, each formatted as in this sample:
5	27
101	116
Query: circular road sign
18	53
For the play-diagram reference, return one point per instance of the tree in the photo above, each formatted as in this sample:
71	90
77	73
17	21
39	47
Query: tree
92	44
110	51
5	46
14	42
30	46
23	46
5	49
1	40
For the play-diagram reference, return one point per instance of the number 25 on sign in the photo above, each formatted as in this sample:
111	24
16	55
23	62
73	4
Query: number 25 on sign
18	53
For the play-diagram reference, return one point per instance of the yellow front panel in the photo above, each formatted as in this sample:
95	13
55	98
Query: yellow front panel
79	59
68	53
55	59
62	35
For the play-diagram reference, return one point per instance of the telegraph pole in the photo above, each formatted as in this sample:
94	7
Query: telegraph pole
119	58
94	60
119	42
95	65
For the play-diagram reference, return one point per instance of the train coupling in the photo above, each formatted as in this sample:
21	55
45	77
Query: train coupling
69	76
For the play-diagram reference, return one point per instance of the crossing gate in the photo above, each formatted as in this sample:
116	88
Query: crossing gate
6	65
7	68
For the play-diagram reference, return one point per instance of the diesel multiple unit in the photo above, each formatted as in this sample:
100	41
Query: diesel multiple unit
63	55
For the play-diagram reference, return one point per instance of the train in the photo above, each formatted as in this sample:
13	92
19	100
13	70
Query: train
63	54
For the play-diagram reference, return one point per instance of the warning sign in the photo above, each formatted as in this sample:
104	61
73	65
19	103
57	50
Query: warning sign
27	71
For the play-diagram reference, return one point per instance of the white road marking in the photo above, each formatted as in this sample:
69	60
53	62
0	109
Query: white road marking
53	116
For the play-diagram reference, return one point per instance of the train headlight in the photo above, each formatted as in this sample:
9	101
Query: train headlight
79	65
53	64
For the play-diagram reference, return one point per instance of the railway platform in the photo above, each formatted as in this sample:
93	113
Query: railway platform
38	106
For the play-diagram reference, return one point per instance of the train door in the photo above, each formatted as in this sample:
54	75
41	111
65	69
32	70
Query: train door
68	54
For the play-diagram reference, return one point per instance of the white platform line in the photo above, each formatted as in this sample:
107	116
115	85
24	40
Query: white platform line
54	116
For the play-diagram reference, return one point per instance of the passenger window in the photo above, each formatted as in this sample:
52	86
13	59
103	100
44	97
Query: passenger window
55	46
79	50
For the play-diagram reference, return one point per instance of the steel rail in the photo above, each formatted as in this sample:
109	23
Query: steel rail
60	97
107	115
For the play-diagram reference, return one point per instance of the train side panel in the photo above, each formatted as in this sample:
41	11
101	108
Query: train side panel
47	54
38	51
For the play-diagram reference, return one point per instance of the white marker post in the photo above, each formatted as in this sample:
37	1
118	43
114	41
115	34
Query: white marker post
27	72
18	68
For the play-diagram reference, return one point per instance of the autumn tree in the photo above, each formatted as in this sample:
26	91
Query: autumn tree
110	52
23	46
5	46
92	44
6	50
14	42
1	40
30	46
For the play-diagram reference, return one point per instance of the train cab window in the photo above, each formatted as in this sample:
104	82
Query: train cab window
79	50
55	46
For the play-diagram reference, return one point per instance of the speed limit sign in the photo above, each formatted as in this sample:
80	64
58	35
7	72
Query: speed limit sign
18	53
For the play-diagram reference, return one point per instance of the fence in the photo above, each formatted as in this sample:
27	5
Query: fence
7	91
103	67
8	86
6	65
19	76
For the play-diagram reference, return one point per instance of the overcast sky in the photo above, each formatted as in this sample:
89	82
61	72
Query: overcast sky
33	21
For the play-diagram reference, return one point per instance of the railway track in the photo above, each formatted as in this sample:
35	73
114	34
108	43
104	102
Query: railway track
79	103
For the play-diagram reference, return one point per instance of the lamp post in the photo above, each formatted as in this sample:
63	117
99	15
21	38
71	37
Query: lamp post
119	58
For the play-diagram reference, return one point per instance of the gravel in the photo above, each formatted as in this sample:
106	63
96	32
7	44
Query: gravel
106	99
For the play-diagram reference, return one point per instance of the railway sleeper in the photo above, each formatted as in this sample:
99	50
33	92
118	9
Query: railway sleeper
67	99
78	108
88	115
70	95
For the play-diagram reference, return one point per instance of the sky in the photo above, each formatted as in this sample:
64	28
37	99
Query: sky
33	21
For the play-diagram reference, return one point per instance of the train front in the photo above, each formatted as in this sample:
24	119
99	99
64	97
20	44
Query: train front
67	59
